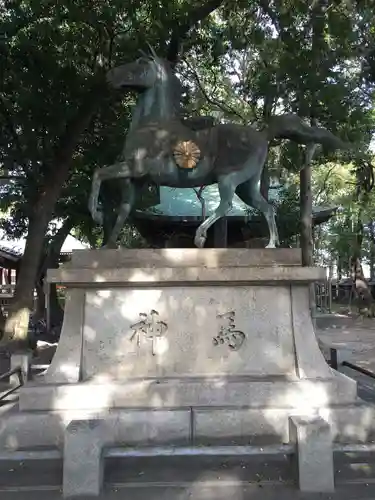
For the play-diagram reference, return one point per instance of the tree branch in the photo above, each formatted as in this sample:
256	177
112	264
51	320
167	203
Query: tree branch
225	108
68	142
53	247
284	35
12	178
182	26
324	186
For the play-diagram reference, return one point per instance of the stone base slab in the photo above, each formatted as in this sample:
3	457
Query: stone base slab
181	393
186	257
193	276
29	430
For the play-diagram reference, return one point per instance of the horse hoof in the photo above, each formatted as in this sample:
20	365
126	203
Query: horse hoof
200	241
271	245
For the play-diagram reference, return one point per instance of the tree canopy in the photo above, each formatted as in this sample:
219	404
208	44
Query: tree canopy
239	61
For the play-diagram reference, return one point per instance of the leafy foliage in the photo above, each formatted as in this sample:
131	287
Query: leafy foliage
239	61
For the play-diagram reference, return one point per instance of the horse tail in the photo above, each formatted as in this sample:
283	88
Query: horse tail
292	127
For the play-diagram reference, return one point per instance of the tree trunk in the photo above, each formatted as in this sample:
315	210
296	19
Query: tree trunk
317	25
316	235
181	27
51	261
265	178
56	310
306	240
372	250
16	325
361	287
306	216
358	232
40	300
360	284
339	268
15	333
306	219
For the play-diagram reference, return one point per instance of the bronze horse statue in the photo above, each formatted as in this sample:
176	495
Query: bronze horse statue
162	148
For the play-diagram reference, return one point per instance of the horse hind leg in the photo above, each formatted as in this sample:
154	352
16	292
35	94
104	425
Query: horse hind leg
128	198
249	192
227	186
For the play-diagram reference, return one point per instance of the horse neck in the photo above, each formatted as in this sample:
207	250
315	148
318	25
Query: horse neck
159	103
137	115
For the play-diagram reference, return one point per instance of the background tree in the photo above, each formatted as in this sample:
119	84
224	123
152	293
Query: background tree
239	60
54	59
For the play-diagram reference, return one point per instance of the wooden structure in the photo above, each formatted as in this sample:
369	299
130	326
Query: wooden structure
9	265
174	221
10	259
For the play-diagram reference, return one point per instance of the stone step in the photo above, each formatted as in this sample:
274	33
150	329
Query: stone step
201	491
185	472
190	470
30	473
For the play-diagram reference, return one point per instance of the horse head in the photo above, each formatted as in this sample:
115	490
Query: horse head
155	79
141	74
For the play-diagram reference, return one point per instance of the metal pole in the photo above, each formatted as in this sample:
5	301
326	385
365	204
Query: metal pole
358	369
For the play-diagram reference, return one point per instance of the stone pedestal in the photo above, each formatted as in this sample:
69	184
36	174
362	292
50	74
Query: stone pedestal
175	329
187	346
187	329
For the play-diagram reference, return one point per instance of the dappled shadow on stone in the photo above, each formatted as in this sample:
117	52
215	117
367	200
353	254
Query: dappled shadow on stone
216	352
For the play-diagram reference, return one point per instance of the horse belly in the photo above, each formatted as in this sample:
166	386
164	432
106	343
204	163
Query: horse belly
235	145
167	173
151	151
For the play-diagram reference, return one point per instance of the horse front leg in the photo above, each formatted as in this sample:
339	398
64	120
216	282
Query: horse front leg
127	203
116	171
227	186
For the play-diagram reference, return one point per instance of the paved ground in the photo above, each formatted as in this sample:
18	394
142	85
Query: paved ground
354	336
219	479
